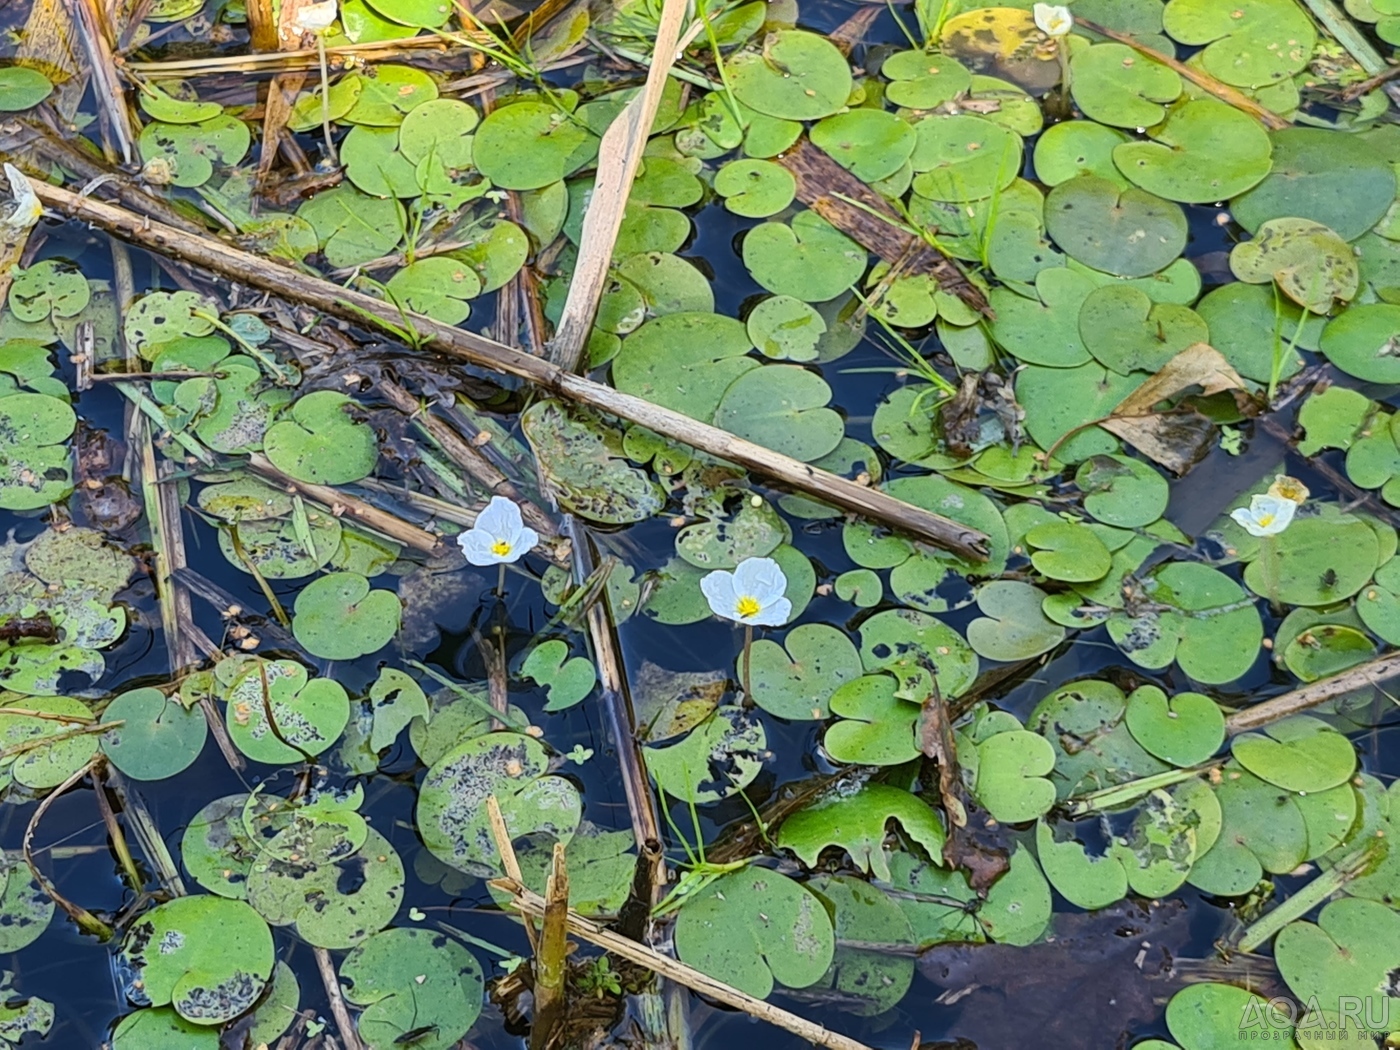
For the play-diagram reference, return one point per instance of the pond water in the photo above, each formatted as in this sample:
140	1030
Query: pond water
1029	804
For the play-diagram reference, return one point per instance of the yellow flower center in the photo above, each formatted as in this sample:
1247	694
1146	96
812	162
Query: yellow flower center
500	549
1289	489
747	607
1265	520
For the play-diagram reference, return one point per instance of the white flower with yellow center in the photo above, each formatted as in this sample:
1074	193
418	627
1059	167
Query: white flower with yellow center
23	209
316	18
1285	487
1053	20
1266	515
499	536
752	594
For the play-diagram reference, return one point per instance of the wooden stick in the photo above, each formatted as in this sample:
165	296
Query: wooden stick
552	962
532	904
341	503
283	61
1314	693
868	218
111	100
485	353
619	159
1224	92
343	1024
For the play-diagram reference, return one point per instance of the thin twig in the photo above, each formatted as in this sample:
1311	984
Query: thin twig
87	922
1313	694
343	1024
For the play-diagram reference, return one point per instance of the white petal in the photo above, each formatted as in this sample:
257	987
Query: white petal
501	519
315	17
761	579
773	614
1277	510
718	588
1246	521
27	209
476	546
526	540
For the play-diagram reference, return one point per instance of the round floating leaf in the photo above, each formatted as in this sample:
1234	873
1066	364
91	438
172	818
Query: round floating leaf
1018	906
857	823
1363	341
568	680
1086	882
876	727
208	957
451	812
1249	322
796	679
1128	332
160	738
809	260
1301	753
1044	331
49	288
1348	954
216	848
338	617
795	76
1078	147
1250	44
277	549
1013	626
1122	491
684	361
786	328
1129	232
1338	181
668	283
374	164
870	143
531	144
1262	831
1205	151
869	982
35	468
782	407
1327	649
1187	729
1209	1016
1311	264
581	457
1113	84
1059	400
387	92
1315	561
310	715
1011	769
192	150
22	88
754	927
963	158
1006	42
1167	834
1068	551
412	981
439	287
334	898
185	109
353	227
753	532
162	1029
720	756
918	80
321	443
25	907
40	764
1083	722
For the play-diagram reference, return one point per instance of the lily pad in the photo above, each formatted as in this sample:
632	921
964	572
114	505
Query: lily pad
1311	265
1086	881
1347	954
321	443
388	92
528	145
40	763
754	928
1127	232
1315	561
354	227
1044	331
338	617
870	143
1186	729
782	407
208	957
581	456
1301	754
568	680
857	823
1078	147
1068	551
684	361
913	646
1125	330
876	727
1122	491
1115	85
796	75
440	287
1018	906
1204	151
49	288
963	158
35	468
192	150
1208	1016
796	679
1254	43
720	756
309	715
809	259
1012	627
1252	325
1362	341
160	738
869	981
412	981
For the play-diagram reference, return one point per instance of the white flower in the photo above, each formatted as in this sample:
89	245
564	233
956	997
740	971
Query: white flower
1266	515
23	209
1053	20
1289	488
751	594
313	18
499	535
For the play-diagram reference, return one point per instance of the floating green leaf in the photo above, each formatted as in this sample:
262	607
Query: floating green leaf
412	981
338	617
159	739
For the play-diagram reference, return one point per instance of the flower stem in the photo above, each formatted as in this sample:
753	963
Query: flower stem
748	652
501	580
1269	554
326	99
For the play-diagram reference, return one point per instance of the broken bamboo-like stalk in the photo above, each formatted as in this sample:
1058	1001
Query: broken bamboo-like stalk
89	21
619	160
343	1024
552	962
1313	694
258	272
869	219
342	504
532	904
